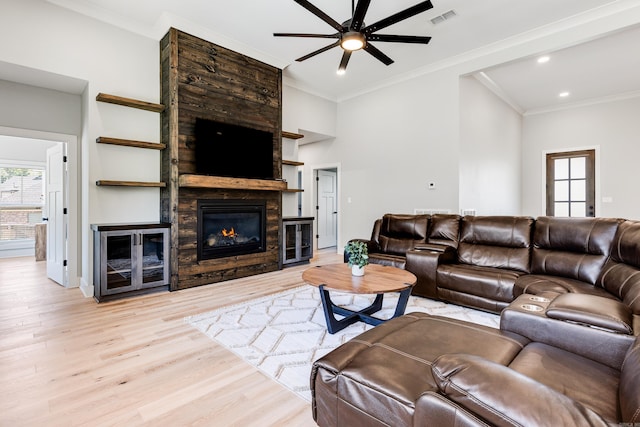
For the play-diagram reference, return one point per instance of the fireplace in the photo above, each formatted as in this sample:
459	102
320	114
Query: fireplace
230	227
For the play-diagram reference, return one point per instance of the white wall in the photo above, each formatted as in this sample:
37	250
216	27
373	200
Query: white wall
490	154
394	140
55	41
390	143
613	127
303	111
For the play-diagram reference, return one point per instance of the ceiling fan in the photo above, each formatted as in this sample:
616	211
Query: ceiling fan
354	35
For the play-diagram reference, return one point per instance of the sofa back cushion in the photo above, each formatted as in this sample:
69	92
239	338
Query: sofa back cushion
576	248
400	233
444	229
621	274
628	394
496	241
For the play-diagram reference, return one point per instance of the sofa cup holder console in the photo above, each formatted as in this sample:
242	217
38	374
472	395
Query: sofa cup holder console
531	307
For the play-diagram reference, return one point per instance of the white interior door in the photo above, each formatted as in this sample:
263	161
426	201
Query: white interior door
56	221
327	188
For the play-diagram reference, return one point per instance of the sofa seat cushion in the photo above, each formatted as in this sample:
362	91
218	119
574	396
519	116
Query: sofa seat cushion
537	284
383	371
487	282
388	259
590	383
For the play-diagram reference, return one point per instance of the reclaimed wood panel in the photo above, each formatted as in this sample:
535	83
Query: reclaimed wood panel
202	80
202	181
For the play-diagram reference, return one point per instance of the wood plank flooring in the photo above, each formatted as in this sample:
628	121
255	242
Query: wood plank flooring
66	360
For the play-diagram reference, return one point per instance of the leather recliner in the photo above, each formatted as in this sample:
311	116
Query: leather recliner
422	370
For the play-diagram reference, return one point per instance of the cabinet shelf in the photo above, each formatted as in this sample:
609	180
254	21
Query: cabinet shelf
130	143
129	102
292	163
291	135
293	190
107	183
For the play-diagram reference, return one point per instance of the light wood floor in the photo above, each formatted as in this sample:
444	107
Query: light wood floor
66	360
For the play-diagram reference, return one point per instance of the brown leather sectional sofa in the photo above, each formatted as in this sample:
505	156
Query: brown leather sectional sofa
567	352
486	262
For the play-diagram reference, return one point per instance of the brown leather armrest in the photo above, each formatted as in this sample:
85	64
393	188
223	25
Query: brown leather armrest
592	310
431	247
424	264
504	397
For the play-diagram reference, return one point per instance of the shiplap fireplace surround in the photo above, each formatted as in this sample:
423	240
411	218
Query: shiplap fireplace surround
202	80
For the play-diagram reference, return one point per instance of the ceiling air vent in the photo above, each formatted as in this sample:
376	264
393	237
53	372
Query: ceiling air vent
444	17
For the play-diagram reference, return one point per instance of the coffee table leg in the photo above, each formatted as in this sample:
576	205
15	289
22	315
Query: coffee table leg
403	299
334	325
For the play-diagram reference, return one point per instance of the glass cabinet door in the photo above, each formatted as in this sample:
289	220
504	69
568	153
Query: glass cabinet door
119	261
306	244
290	231
152	262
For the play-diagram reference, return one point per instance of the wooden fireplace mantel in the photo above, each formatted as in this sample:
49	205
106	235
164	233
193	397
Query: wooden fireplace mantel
205	181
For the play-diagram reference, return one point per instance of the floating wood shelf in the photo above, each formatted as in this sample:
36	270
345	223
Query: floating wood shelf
106	183
130	143
293	190
205	181
292	163
291	135
129	102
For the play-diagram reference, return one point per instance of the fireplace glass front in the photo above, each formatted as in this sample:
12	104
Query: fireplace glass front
230	227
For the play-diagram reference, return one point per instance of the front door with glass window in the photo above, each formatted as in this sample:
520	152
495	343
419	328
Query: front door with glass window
571	184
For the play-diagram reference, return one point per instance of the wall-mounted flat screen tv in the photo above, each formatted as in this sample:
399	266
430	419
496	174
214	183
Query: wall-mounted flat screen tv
223	149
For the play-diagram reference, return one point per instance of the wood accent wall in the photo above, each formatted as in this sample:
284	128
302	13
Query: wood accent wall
201	79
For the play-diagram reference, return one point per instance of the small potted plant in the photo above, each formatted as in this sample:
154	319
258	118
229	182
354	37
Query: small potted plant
358	256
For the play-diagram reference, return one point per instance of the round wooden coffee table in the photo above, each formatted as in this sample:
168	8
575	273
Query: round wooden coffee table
377	279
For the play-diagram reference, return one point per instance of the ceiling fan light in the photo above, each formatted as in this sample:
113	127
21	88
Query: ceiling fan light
352	40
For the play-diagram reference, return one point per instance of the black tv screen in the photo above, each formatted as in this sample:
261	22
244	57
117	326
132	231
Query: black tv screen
223	149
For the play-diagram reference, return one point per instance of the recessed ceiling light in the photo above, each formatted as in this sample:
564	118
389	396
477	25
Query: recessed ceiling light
564	94
543	59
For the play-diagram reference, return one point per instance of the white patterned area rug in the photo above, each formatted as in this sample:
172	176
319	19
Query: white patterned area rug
282	334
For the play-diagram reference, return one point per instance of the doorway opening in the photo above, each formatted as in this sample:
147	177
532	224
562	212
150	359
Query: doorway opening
571	183
326	192
52	213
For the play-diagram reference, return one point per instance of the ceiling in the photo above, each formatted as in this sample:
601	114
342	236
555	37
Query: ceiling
248	26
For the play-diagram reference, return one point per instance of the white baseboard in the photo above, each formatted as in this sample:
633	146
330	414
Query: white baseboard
86	289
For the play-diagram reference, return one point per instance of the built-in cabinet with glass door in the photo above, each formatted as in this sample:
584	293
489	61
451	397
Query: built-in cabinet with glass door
297	240
129	259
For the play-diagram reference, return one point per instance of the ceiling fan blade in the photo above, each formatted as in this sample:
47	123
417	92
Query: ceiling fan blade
314	53
398	39
345	60
320	14
378	55
397	17
358	16
319	36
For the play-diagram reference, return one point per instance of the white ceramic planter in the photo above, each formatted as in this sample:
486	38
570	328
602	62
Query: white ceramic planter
356	270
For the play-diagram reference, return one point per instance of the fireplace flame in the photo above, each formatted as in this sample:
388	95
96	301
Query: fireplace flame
231	233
